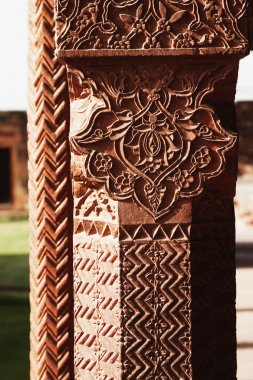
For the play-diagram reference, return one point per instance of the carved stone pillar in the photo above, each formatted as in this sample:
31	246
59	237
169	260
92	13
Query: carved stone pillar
154	165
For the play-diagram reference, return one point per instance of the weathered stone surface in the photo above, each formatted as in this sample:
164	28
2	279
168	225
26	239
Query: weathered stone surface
154	164
13	151
96	285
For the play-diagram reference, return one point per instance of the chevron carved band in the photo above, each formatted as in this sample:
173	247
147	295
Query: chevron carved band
50	203
153	146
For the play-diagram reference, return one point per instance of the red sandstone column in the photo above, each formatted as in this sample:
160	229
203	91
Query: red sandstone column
154	165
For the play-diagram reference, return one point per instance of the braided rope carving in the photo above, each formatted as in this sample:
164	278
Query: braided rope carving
50	202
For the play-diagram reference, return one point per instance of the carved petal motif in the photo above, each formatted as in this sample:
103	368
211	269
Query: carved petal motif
120	26
147	134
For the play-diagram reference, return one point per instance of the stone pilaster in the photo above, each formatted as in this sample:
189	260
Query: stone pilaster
154	165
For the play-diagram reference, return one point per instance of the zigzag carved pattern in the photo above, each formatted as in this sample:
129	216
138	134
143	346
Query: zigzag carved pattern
156	311
151	232
96	283
171	231
50	203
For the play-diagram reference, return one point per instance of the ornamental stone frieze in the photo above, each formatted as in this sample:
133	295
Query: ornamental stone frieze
153	145
115	27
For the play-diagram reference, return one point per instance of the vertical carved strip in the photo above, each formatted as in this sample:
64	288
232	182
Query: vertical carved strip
96	283
50	202
156	301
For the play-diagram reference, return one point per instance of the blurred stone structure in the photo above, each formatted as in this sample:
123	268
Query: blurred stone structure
244	111
13	162
245	127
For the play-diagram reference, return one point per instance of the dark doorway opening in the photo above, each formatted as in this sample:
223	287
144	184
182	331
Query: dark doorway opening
5	173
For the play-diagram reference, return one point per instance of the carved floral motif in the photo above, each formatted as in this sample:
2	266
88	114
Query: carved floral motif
153	24
147	134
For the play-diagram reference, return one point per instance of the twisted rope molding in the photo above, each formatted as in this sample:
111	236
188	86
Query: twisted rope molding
50	202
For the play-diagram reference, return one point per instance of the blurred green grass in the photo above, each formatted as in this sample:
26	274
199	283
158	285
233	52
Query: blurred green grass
14	272
14	299
13	236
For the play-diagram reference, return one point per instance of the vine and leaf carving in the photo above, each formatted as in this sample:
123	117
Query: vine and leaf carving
152	24
146	133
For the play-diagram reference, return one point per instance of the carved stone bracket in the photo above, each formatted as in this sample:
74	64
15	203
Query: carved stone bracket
147	132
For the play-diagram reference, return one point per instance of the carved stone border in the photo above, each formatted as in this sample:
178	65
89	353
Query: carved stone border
151	27
50	203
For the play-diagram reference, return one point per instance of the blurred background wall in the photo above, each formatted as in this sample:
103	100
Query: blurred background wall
14	258
13	162
13	104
